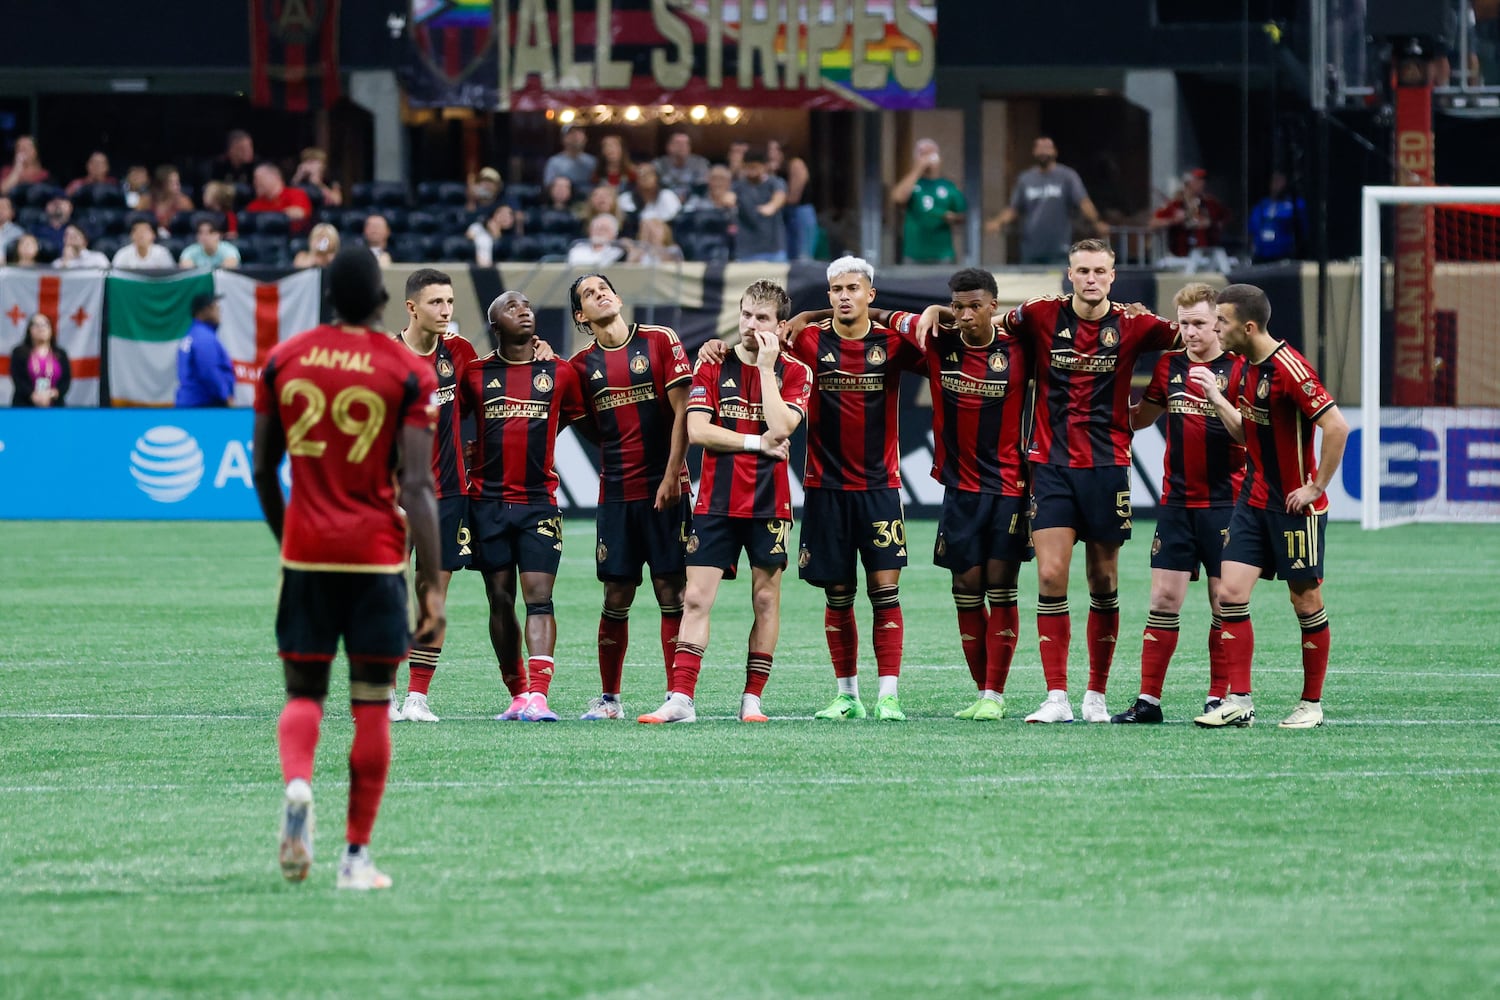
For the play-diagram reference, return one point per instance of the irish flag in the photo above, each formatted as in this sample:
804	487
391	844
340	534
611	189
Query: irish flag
73	300
149	316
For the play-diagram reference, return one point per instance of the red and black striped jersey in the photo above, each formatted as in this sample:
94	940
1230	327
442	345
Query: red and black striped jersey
450	358
1203	466
853	425
625	391
1281	399
519	408
341	396
1083	373
745	484
978	408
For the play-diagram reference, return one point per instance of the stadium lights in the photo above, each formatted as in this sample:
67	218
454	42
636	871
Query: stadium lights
635	114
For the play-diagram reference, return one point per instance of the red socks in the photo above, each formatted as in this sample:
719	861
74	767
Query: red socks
671	624
1000	643
757	672
297	737
1102	630
1157	646
424	661
890	630
1054	632
369	762
1315	643
842	634
539	675
614	637
685	667
972	625
1238	644
1218	675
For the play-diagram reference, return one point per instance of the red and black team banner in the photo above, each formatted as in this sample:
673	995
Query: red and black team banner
294	54
450	59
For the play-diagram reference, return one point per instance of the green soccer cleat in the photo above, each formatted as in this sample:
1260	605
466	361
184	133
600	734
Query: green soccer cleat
845	706
989	710
888	709
968	713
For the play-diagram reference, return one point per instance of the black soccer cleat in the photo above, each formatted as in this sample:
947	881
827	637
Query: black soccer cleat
1141	711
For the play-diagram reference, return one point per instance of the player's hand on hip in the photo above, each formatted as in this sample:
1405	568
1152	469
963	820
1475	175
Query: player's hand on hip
432	617
1300	500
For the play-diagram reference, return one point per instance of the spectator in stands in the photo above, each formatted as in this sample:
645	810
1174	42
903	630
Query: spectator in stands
615	168
653	245
573	162
218	196
680	169
58	214
137	185
604	199
312	172
165	199
95	171
934	205
237	164
76	252
39	369
322	245
10	230
25	166
272	195
799	216
1193	219
205	373
648	199
602	247
484	189
1278	223
719	194
211	251
491	233
761	196
560	193
143	253
1045	198
377	236
26	251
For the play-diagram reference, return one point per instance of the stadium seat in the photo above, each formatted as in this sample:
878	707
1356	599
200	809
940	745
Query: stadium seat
103	221
527	248
352	221
452	193
707	247
132	218
314	195
107	245
526	195
388	194
47	251
461	248
270	251
176	244
244	194
556	222
106	196
361	195
38	195
267	223
422	222
202	215
183	224
415	248
395	217
556	245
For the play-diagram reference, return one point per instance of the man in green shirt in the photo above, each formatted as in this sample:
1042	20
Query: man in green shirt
933	205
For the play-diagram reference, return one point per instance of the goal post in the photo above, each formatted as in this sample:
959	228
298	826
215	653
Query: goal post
1429	355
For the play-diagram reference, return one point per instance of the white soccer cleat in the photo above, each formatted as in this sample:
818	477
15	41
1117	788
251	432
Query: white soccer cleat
395	708
357	871
603	708
1094	707
1307	715
416	709
1055	709
677	708
296	852
1236	711
751	710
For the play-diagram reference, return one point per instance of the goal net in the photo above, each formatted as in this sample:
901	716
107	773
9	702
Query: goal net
1429	421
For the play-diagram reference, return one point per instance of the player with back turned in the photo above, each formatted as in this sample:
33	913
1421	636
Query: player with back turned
741	411
1203	469
429	307
1282	515
520	404
356	414
635	379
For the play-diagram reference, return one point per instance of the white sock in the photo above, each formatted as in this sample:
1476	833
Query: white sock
1150	700
680	698
750	704
991	695
888	684
849	686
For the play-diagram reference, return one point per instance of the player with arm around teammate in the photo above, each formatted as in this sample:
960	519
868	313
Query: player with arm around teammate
520	404
1280	521
351	407
742	410
1204	467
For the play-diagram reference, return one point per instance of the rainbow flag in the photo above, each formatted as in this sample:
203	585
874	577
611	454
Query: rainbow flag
451	13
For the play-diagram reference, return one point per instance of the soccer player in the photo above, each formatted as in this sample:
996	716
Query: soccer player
429	307
519	405
852	503
1085	348
635	380
979	376
351	408
1278	525
741	410
1203	469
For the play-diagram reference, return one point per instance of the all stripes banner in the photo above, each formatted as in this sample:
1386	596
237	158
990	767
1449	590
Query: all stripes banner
149	316
73	302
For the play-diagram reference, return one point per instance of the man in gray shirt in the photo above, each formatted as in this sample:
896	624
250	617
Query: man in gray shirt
572	163
682	170
760	195
1045	198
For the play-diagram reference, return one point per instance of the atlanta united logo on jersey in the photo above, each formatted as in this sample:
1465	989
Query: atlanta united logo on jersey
543	382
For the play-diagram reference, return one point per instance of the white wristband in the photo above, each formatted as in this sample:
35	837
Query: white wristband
752	442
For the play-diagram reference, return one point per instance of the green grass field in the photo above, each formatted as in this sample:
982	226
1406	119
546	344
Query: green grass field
139	792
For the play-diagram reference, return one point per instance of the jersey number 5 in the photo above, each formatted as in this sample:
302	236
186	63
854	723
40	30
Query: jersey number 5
364	429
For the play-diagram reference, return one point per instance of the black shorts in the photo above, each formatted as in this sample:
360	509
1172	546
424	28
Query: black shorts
453	531
716	540
836	524
632	533
526	536
1289	546
1095	503
367	610
977	527
1187	537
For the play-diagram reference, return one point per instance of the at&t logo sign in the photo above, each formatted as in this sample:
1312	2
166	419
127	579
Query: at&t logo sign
167	464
